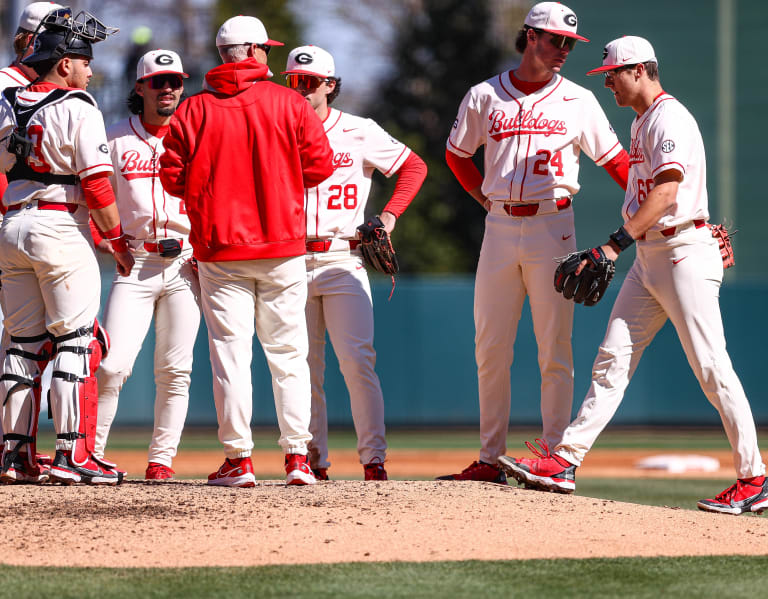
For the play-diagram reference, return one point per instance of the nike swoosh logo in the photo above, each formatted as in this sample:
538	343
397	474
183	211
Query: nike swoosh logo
567	236
568	99
679	260
348	130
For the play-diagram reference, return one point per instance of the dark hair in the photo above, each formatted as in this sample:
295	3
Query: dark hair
332	96
135	102
652	70
521	41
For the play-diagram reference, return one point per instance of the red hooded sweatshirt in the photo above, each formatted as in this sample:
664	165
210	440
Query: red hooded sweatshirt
240	156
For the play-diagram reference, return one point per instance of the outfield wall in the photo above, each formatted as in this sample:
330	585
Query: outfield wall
425	345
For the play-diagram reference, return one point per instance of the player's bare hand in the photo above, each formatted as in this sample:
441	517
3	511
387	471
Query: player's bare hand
124	261
105	247
389	221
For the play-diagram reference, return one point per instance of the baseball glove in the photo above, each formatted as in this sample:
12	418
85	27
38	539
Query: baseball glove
723	237
588	287
376	247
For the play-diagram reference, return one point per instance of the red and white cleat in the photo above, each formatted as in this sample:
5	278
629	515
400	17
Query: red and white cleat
547	472
297	470
235	472
745	495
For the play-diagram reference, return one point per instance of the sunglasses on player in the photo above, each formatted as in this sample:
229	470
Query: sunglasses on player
265	48
308	82
559	41
165	80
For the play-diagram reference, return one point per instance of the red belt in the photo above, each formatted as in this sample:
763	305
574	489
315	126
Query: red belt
43	205
156	247
533	208
323	245
672	230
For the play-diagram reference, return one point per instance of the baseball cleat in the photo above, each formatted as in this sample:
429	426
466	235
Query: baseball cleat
157	471
21	471
746	495
297	470
546	472
374	470
479	471
320	473
64	471
234	472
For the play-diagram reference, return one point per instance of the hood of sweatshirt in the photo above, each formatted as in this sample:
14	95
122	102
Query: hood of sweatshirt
233	77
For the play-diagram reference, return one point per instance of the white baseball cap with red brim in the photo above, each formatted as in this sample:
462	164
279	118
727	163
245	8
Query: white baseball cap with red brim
310	60
244	30
554	18
159	62
625	51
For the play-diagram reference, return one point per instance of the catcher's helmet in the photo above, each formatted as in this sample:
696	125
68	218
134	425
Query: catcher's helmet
59	34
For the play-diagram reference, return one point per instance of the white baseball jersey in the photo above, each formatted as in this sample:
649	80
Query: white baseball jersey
532	141
665	137
75	145
146	210
337	206
12	77
674	277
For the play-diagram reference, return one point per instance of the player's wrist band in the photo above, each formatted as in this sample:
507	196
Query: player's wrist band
116	239
621	238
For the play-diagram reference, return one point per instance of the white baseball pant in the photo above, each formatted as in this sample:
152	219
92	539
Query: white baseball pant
518	259
339	300
168	290
50	280
677	278
271	293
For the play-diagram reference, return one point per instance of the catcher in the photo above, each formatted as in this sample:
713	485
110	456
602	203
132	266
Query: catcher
676	275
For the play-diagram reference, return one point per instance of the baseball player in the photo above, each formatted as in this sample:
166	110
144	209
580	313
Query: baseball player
534	124
14	75
676	275
339	297
55	155
163	282
241	154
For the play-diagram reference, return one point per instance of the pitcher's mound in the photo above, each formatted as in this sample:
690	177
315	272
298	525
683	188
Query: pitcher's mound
186	523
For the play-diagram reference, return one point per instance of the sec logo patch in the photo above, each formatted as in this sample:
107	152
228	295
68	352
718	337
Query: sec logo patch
667	146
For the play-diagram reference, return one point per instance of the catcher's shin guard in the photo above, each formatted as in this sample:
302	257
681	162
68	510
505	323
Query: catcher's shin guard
75	389
25	359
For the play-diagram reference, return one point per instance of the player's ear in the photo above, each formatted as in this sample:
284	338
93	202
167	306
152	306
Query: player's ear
138	89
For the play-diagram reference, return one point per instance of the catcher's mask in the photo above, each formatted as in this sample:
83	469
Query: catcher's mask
59	34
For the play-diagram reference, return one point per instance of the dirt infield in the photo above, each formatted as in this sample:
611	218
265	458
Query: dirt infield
186	523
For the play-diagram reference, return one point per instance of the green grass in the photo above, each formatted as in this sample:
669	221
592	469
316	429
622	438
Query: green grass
685	577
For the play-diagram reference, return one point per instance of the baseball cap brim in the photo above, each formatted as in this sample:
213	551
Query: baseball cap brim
272	43
605	69
566	34
300	72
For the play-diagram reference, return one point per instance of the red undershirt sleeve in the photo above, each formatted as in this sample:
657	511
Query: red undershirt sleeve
410	177
98	191
618	168
3	187
468	175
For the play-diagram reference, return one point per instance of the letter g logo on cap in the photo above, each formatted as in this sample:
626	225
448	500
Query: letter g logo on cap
163	59
303	58
570	19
